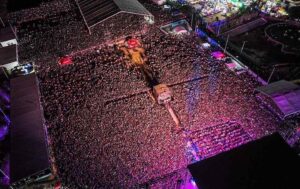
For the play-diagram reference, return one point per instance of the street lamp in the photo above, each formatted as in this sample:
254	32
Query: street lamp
243	46
226	43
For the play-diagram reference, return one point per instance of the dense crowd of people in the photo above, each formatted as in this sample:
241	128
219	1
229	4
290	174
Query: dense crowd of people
98	102
44	10
210	143
104	129
70	34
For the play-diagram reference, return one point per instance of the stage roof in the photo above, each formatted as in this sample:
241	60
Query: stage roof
133	7
29	151
97	11
266	163
285	94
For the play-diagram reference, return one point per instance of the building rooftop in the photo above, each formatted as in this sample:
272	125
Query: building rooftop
8	54
6	34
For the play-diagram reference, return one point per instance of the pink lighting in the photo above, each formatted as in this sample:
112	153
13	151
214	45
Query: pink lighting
133	43
218	55
191	184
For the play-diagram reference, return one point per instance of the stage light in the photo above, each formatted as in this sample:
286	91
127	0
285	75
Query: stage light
193	182
65	60
218	55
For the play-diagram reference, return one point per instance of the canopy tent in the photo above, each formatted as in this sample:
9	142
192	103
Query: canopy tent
285	95
97	11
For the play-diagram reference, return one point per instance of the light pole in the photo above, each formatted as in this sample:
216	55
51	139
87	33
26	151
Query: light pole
243	46
269	79
4	174
226	43
2	22
219	28
5	117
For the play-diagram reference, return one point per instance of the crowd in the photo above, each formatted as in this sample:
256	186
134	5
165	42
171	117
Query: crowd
104	129
69	33
45	9
102	140
290	130
220	138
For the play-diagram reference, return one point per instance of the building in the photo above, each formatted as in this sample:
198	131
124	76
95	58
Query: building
7	37
9	58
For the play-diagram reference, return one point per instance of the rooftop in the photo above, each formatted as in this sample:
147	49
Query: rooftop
8	54
6	34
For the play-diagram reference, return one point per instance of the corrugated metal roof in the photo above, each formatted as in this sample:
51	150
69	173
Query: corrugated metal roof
96	11
132	6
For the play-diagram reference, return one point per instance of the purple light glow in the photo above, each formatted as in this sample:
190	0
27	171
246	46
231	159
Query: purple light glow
3	132
5	168
4	95
191	184
218	55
